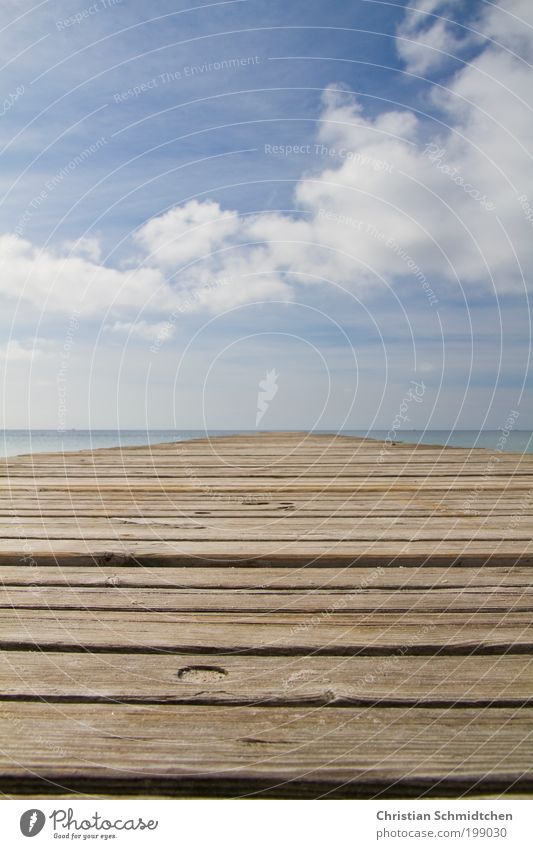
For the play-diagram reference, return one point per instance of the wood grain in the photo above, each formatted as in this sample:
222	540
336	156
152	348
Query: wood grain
283	614
273	633
211	750
239	578
468	600
233	679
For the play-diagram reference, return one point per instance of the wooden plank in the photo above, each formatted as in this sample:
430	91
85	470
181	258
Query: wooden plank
283	470
236	577
197	750
267	484
353	505
465	599
100	505
141	530
273	633
321	497
44	552
160	515
280	524
240	453
230	679
277	463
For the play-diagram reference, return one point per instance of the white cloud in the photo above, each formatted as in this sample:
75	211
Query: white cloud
64	284
143	329
385	205
187	233
87	247
428	36
400	197
510	24
15	352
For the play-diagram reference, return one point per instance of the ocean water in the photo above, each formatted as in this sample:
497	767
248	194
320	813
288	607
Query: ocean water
13	442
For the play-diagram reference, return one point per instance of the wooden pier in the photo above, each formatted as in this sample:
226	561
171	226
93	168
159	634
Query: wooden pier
283	614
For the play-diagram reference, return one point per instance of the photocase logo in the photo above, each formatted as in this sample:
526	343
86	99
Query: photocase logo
32	822
267	390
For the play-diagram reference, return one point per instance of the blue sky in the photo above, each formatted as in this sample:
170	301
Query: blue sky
193	196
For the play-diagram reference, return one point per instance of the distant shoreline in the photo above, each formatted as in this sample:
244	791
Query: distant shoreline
15	442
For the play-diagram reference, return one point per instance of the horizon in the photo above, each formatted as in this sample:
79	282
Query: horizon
17	442
258	432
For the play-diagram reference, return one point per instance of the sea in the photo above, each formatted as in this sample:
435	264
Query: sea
14	442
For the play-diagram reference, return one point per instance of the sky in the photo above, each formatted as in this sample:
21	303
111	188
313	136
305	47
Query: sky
255	213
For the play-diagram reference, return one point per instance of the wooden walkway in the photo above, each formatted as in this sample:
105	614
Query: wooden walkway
277	614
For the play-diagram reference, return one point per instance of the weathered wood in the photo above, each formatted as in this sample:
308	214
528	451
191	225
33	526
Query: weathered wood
236	577
292	614
334	528
116	551
282	522
358	599
280	484
198	750
231	679
272	633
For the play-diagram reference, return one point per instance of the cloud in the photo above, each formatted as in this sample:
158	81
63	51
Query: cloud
439	206
428	36
143	329
431	32
187	233
66	283
394	201
510	25
15	352
87	247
